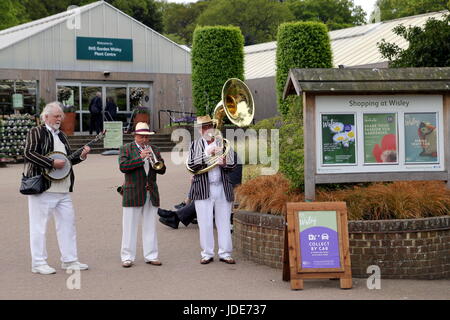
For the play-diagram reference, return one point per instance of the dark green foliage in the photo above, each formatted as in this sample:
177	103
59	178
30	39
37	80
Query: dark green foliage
394	9
146	11
336	14
428	46
217	55
257	19
300	45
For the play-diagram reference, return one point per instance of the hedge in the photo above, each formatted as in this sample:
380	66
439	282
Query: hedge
300	45
217	55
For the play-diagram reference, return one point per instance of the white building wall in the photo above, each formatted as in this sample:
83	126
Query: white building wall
55	48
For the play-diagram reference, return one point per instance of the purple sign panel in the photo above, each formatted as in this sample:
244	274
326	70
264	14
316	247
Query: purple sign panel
319	242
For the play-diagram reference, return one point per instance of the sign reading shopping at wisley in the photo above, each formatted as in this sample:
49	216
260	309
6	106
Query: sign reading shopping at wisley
104	49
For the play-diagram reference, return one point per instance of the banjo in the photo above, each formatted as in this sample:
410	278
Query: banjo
59	174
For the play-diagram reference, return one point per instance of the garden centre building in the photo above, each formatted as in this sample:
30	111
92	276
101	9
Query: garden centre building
88	49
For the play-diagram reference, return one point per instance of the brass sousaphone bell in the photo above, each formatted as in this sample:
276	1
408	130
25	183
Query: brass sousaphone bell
238	106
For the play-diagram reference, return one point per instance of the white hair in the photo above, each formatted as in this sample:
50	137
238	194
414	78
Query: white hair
49	108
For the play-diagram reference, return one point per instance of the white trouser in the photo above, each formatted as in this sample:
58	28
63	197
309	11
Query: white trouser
130	222
40	207
218	204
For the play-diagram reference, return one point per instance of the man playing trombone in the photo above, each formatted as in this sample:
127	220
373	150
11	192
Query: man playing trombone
140	162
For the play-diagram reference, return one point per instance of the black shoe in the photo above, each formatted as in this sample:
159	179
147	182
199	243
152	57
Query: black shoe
166	213
180	205
173	223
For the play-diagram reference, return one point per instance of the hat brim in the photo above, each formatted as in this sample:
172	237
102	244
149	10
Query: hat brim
144	133
203	124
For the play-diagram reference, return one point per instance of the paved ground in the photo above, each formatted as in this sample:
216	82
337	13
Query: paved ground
98	212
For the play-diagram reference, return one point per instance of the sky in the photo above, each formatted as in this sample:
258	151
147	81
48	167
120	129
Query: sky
367	5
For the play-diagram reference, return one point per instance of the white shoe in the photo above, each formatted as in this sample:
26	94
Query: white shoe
44	269
75	265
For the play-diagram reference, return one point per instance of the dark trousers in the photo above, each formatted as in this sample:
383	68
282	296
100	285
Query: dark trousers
187	213
95	123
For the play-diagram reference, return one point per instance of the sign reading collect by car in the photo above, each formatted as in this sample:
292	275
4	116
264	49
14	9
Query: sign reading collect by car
104	49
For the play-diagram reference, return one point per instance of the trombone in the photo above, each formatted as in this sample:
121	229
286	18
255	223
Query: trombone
238	106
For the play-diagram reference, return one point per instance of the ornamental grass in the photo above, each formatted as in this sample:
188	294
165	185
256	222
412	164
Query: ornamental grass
377	201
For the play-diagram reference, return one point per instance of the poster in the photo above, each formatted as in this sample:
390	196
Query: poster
338	139
114	134
319	242
421	137
380	137
17	99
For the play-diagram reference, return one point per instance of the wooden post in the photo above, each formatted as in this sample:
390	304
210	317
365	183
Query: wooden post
446	105
309	134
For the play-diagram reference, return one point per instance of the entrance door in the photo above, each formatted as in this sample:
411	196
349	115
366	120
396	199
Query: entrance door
87	94
114	93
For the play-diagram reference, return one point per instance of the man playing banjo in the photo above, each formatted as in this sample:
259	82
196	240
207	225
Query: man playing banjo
55	199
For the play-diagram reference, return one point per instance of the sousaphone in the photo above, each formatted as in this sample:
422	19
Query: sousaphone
238	106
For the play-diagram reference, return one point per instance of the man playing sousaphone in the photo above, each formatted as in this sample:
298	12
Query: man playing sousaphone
140	162
212	192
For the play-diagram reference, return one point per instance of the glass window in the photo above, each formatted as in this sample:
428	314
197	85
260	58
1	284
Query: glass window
27	88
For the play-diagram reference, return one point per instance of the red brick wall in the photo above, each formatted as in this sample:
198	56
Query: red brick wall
403	249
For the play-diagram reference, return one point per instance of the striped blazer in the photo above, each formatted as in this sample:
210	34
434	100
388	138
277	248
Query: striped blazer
38	143
200	184
136	180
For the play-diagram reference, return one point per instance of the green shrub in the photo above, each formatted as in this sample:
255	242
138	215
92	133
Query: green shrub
300	45
217	55
291	145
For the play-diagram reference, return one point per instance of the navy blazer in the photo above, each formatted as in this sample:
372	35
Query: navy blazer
200	184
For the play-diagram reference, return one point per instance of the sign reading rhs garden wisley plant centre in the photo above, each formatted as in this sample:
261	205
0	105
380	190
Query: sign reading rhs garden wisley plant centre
374	133
104	49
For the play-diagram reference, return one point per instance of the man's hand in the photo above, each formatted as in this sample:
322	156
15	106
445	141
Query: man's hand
85	152
145	154
59	163
222	161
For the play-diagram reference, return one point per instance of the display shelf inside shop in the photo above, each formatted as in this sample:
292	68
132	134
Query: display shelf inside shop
13	132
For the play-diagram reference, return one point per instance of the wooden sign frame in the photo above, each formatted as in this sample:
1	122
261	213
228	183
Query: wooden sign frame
292	259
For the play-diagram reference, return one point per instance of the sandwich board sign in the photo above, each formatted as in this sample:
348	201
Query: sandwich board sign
316	243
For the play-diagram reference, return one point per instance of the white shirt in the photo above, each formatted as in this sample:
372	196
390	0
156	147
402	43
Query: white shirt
214	175
61	186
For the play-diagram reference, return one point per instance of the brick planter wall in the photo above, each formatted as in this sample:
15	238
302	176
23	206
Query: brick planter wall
259	237
403	249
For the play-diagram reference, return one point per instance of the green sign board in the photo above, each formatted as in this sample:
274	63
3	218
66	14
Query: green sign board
114	135
17	101
104	49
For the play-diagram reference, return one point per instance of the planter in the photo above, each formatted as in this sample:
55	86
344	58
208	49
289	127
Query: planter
141	117
68	124
403	249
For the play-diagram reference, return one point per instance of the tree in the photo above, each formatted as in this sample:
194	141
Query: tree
145	11
11	14
179	20
257	19
336	14
393	9
428	47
